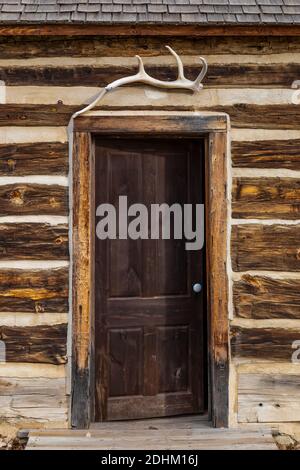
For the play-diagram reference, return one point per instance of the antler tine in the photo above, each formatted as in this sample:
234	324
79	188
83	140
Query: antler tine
179	63
143	77
141	65
202	73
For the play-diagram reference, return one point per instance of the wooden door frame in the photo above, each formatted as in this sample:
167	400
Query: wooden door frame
212	126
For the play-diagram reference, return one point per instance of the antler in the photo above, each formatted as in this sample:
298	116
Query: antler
143	77
180	82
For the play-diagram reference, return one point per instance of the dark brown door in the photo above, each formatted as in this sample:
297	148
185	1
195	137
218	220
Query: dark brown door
149	322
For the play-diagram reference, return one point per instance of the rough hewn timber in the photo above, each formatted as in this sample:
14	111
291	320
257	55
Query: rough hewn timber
267	154
266	198
33	241
192	124
268	398
21	47
36	115
216	175
35	399
33	199
218	75
266	247
82	280
241	115
40	158
45	344
270	344
262	297
34	291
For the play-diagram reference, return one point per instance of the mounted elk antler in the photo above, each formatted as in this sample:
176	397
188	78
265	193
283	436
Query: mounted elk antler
143	77
180	82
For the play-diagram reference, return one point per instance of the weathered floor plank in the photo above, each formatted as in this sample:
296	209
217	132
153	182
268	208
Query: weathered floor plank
165	434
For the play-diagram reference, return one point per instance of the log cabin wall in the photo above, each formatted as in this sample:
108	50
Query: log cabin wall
250	78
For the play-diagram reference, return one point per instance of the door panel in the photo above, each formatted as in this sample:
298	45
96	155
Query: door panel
149	354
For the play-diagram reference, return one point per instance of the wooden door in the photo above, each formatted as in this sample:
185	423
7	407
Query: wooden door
149	352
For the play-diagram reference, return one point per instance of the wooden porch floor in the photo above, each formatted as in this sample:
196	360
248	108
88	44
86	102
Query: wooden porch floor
180	433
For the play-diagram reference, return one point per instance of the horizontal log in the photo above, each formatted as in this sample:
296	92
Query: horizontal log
21	370
33	398
266	198
266	247
33	241
16	386
218	75
262	297
41	158
275	344
192	125
35	291
268	398
32	199
267	154
148	29
44	344
36	115
21	47
241	115
252	116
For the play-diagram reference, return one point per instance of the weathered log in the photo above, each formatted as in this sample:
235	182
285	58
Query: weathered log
273	247
275	116
261	343
219	75
33	199
36	115
19	386
266	198
81	281
20	47
267	154
242	115
40	158
33	241
34	291
45	344
267	398
35	399
262	297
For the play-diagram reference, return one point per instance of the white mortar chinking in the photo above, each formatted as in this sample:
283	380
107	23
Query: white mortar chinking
141	76
32	134
265	222
265	173
237	276
33	264
35	179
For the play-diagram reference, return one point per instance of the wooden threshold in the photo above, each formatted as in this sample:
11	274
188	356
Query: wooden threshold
178	433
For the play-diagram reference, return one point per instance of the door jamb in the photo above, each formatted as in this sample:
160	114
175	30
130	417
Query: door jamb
213	126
